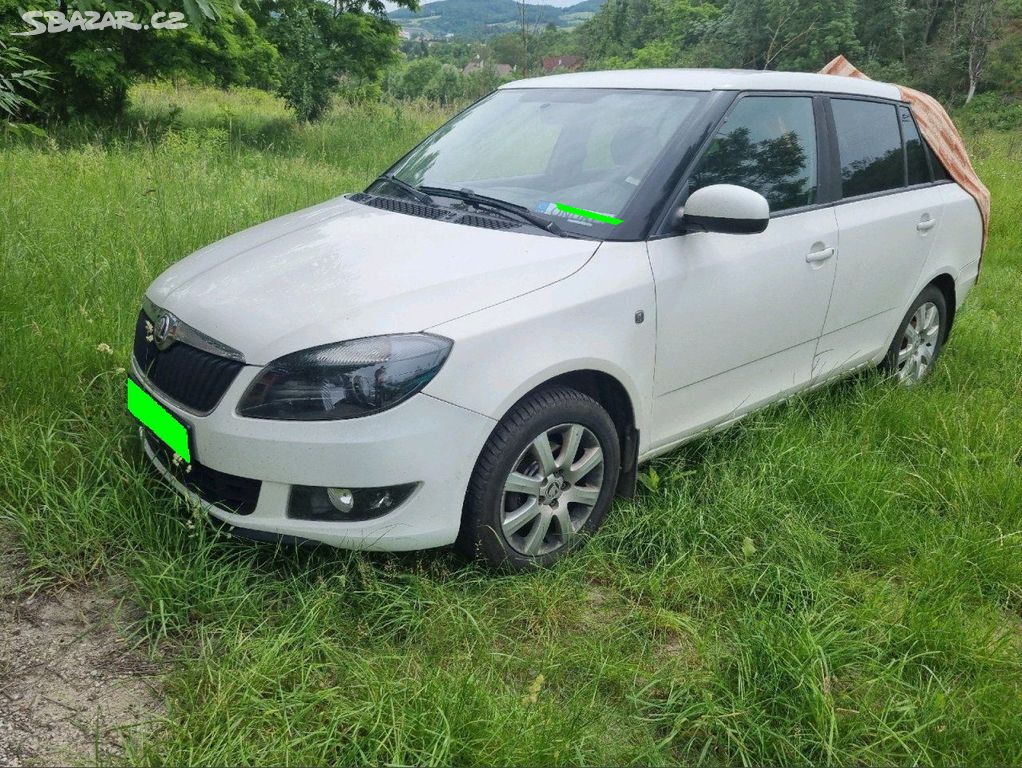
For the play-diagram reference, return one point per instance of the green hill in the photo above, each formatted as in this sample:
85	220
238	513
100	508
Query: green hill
481	18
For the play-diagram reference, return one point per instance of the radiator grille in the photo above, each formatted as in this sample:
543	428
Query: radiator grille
189	376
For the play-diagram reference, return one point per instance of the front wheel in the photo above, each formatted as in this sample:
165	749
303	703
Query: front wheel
543	482
920	337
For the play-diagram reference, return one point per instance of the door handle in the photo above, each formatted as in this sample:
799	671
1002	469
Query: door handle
926	223
817	257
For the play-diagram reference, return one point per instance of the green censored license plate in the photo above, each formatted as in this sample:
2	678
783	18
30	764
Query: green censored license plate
160	421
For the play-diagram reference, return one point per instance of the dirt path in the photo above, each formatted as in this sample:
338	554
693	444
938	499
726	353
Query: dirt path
69	683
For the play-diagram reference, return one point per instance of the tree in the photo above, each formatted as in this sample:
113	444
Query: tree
981	22
306	72
789	34
20	80
527	30
883	29
1002	71
940	46
508	49
323	44
661	33
229	52
223	44
93	69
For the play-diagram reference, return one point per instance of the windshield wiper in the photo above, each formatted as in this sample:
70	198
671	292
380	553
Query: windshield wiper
502	206
411	191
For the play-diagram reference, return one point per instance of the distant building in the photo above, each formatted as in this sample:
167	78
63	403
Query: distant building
504	70
404	34
569	63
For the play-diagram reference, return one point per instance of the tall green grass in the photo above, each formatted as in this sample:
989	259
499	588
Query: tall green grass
837	580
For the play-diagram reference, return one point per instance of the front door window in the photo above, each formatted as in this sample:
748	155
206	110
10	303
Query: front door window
767	144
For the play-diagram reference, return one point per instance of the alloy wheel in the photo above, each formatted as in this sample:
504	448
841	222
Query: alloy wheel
919	344
552	489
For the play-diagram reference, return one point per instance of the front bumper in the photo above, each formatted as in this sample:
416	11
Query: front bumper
423	440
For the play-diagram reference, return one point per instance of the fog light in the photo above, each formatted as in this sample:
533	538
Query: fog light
342	499
346	504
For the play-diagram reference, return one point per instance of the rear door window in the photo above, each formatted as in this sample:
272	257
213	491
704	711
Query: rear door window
766	144
869	146
915	150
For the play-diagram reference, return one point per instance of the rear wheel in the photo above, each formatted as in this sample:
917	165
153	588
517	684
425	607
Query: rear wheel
918	342
543	482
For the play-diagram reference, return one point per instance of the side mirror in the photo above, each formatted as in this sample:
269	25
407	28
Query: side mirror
724	208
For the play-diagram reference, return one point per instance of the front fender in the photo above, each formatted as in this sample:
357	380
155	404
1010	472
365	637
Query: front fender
587	321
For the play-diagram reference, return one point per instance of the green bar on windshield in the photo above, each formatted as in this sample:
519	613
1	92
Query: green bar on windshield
601	217
161	421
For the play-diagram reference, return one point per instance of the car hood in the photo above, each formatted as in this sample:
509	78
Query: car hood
343	270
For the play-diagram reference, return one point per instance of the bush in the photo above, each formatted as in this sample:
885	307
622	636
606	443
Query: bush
446	86
479	84
357	91
990	111
410	81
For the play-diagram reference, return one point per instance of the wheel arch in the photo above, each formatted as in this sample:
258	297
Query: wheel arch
611	393
946	285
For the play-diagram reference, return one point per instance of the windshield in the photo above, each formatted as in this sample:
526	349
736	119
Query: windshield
577	156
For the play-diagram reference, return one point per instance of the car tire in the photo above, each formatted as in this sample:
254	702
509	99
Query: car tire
919	340
528	505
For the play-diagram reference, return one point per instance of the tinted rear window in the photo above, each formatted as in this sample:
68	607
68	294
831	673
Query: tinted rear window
939	171
915	150
869	144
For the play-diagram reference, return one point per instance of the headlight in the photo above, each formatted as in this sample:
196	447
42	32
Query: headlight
346	380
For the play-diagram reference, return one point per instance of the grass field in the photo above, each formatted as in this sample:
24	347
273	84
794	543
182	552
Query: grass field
837	580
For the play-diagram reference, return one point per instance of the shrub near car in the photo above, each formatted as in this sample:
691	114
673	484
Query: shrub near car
574	275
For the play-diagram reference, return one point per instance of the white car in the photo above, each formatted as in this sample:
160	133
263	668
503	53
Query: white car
574	275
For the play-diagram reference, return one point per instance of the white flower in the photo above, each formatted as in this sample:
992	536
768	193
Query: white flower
104	348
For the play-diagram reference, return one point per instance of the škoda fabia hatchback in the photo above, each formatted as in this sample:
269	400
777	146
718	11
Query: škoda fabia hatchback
574	275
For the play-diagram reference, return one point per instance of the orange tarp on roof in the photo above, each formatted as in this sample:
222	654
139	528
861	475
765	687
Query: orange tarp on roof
940	133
